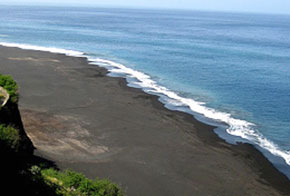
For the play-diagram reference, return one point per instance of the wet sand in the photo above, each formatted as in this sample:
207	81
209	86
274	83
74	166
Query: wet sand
81	119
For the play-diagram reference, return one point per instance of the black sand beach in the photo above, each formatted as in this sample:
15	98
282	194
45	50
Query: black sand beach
81	119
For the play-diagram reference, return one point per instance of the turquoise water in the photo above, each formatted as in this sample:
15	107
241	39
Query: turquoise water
223	67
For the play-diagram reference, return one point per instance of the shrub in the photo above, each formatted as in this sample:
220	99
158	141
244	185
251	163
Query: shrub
10	85
9	138
73	183
35	170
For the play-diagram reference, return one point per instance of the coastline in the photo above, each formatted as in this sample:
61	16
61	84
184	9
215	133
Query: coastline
184	152
233	130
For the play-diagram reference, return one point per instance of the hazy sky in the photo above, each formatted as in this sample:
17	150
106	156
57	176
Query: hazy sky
267	6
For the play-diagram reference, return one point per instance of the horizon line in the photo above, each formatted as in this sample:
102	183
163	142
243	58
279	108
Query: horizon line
141	8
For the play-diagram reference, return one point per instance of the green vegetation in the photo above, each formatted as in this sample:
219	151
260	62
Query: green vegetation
73	183
10	85
9	138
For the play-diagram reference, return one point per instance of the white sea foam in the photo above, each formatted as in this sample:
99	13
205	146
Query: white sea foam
237	127
46	49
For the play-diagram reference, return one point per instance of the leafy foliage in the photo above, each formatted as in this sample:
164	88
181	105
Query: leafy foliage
73	183
9	138
10	85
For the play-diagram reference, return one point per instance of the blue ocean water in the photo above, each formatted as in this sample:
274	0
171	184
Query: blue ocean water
231	68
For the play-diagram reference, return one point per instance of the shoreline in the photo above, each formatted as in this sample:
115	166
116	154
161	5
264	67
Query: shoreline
192	133
231	129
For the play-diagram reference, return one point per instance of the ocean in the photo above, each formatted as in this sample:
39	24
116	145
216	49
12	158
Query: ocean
231	70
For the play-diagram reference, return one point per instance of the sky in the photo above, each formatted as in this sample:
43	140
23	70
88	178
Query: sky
256	6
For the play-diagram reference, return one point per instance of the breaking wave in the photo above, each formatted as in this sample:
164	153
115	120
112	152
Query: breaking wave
236	127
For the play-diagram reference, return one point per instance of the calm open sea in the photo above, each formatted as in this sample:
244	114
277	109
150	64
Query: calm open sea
223	67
